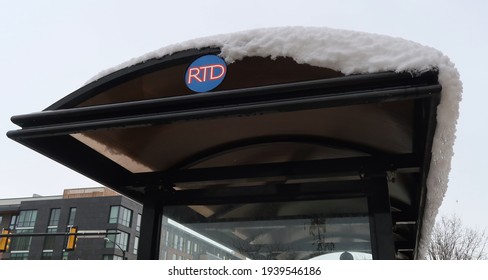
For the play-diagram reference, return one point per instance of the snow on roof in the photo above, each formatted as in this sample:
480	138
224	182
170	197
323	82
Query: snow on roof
350	52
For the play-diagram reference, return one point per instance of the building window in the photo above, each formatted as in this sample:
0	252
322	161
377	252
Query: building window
47	256
50	241
114	215
19	256
52	227
138	223
175	244
25	224
111	239
180	247
166	239
136	245
121	215
188	246
71	217
13	221
121	239
1	218
112	257
27	218
21	243
54	217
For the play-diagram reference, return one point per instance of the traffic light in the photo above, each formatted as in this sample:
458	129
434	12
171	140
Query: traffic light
71	240
4	240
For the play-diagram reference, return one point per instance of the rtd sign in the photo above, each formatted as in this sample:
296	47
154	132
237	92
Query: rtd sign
205	73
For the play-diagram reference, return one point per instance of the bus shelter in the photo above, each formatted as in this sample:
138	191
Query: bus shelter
282	143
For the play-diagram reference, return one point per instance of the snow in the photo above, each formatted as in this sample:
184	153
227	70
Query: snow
350	52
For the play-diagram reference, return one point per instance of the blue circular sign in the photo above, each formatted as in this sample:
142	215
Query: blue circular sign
205	73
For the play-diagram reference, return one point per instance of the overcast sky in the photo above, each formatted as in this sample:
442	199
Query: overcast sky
50	48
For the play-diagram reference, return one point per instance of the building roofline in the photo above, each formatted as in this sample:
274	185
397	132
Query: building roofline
19	200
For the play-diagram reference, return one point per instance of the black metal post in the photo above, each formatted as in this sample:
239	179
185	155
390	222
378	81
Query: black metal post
381	226
152	217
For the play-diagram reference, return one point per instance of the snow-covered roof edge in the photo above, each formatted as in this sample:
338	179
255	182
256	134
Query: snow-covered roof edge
350	52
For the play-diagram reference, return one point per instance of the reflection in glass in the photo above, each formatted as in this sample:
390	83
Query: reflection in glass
318	229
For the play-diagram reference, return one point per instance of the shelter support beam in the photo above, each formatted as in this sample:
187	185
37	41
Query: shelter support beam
298	169
382	241
152	218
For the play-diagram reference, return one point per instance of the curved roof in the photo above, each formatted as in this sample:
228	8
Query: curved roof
287	65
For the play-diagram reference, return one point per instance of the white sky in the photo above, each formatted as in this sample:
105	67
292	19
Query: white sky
50	48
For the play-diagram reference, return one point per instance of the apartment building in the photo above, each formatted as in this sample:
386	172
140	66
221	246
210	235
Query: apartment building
110	221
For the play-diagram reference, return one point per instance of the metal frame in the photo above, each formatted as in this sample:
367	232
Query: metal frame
152	219
297	169
380	220
265	99
373	187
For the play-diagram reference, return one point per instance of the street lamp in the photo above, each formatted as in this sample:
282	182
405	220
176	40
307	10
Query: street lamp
120	248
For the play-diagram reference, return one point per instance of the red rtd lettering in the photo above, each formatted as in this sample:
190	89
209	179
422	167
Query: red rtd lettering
205	73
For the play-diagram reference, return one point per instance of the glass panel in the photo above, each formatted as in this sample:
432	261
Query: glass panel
166	238
54	217
322	229
114	214
125	216
13	221
136	245
27	218
19	256
122	240
175	244
110	239
50	241
121	215
112	257
21	243
72	215
119	241
47	256
138	223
